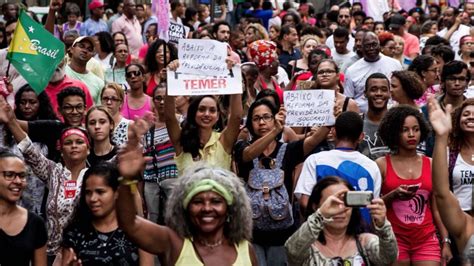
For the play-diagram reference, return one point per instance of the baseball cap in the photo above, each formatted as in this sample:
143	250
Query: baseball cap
397	21
83	38
95	4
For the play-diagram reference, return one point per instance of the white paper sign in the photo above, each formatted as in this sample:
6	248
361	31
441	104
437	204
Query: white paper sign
202	57
306	108
189	84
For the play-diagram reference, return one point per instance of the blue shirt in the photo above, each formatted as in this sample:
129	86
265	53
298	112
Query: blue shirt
264	15
91	27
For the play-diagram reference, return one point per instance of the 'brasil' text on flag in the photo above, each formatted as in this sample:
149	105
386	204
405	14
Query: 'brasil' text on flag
34	52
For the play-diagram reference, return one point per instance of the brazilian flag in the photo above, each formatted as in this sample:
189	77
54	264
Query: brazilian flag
34	52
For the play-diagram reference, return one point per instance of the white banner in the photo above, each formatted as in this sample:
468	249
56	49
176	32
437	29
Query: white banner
191	85
202	57
307	108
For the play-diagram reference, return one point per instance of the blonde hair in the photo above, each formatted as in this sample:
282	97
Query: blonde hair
117	88
260	32
308	37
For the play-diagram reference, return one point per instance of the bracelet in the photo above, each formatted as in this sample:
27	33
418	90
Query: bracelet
132	183
446	240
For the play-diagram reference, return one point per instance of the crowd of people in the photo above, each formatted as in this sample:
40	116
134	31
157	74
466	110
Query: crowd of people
104	167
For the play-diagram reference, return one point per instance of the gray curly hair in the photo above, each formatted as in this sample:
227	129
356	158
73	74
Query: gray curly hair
239	225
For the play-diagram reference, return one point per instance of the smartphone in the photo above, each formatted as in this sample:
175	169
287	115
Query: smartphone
358	198
413	188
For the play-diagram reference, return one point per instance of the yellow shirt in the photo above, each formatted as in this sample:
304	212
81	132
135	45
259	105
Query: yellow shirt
188	255
213	154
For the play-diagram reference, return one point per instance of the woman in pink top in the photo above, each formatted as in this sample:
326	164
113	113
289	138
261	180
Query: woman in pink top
136	103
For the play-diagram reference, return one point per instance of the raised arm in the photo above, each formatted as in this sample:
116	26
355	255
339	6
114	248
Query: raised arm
456	221
231	132
54	6
318	134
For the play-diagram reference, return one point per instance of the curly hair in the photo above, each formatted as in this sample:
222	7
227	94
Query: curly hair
410	83
385	37
190	130
239	224
260	31
421	64
308	37
45	110
150	57
393	122
457	135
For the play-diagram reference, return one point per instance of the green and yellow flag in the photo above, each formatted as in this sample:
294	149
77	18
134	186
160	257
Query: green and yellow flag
34	52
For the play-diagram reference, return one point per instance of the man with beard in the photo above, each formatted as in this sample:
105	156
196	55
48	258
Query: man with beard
221	32
377	92
60	81
372	62
453	30
130	26
82	51
344	19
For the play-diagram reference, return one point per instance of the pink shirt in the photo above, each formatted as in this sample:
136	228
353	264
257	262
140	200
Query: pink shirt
132	30
130	113
412	44
53	90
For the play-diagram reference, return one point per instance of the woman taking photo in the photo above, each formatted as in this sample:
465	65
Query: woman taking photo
332	234
136	102
196	140
112	97
407	189
94	238
116	71
459	224
428	70
23	234
406	87
155	63
100	126
266	151
208	216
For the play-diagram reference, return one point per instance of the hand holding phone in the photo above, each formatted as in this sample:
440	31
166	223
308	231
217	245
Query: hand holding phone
358	198
413	188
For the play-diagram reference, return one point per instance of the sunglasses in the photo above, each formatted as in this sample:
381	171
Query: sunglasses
131	74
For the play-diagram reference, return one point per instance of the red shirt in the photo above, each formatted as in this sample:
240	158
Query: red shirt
52	91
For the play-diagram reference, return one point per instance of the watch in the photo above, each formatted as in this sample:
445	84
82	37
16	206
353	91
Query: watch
447	240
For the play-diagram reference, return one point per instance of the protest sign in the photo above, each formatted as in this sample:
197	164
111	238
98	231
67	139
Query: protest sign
202	57
176	32
306	108
190	84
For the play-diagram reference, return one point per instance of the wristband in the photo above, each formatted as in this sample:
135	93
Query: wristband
132	183
447	240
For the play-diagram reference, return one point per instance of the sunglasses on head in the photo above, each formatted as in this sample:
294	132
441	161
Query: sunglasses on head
136	73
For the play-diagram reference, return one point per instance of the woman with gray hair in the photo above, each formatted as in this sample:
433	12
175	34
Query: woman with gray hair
208	216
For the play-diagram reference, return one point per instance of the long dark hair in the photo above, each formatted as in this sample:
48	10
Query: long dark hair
355	226
109	172
150	58
190	140
45	110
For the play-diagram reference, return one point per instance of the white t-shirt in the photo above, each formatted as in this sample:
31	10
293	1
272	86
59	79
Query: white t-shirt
463	176
340	59
350	44
455	37
357	74
359	170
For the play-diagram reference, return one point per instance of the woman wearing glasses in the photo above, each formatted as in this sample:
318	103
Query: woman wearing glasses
63	180
265	124
23	234
427	68
116	71
112	97
136	102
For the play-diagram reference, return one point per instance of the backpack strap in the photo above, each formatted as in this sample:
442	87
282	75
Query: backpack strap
346	103
280	155
361	251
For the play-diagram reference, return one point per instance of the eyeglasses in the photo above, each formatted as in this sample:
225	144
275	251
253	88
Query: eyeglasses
344	16
371	45
70	108
434	70
454	79
112	99
158	99
131	74
10	175
326	72
265	118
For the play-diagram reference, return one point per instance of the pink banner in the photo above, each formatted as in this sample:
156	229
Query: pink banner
161	9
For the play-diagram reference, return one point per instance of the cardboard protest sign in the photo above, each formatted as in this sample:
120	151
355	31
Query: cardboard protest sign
176	32
306	108
190	84
202	57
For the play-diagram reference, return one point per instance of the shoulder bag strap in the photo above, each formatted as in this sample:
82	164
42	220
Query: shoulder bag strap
361	251
346	103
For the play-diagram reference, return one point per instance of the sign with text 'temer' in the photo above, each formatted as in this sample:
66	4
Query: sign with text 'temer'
307	108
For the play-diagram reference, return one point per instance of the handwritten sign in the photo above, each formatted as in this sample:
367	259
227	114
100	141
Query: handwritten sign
306	108
190	84
202	57
176	32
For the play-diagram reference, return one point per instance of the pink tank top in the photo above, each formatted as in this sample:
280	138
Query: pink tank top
130	113
410	218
